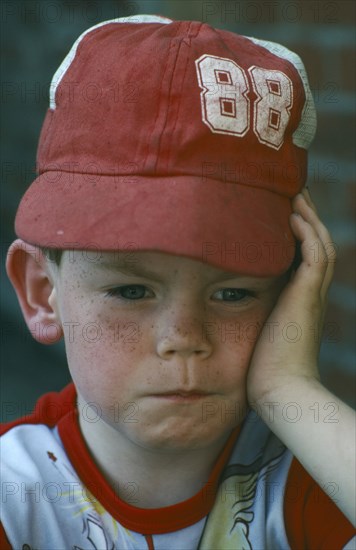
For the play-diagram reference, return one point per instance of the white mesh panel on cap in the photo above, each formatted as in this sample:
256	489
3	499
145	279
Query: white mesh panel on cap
64	66
304	134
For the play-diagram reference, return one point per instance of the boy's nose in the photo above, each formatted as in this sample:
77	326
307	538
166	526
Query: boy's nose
184	338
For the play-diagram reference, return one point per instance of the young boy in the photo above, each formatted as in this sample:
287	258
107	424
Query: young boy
158	240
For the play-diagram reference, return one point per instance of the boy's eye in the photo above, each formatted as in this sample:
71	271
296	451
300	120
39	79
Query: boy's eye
128	292
232	294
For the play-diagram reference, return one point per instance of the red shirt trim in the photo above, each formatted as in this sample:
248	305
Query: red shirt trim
49	409
4	543
312	519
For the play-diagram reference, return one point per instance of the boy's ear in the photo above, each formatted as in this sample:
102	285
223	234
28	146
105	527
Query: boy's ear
29	274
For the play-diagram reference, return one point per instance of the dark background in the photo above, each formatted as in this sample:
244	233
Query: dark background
36	36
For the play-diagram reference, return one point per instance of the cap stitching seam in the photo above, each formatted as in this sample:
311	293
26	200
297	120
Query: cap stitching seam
166	176
169	90
189	37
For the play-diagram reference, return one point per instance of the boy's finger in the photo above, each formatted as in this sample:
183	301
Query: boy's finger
310	215
329	273
314	259
306	194
316	263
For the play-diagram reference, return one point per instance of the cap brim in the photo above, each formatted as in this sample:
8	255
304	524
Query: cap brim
234	227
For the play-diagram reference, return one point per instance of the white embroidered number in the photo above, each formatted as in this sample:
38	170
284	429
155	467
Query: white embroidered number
226	106
272	108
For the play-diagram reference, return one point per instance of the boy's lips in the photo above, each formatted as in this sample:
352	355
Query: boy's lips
183	395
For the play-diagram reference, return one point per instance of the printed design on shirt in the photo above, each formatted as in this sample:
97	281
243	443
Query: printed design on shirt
95	535
86	506
231	518
61	466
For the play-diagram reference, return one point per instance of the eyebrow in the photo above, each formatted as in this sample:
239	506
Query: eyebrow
135	268
129	269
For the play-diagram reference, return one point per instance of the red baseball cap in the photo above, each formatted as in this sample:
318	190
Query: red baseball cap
176	137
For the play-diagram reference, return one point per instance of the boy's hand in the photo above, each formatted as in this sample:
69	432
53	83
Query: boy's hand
288	347
284	367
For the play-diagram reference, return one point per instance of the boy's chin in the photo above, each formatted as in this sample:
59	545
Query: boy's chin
179	432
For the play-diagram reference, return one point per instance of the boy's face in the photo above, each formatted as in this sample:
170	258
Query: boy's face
160	345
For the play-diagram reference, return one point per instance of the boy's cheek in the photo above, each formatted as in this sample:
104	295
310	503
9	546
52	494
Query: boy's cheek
242	329
232	334
94	340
